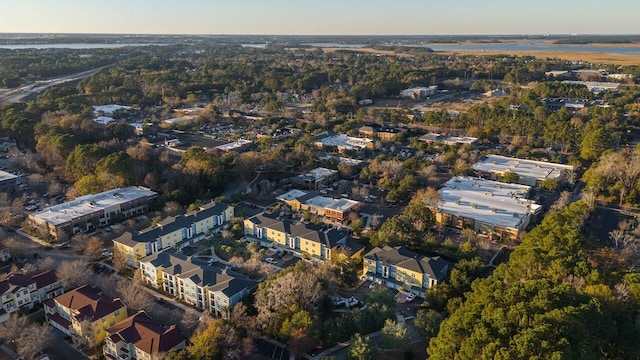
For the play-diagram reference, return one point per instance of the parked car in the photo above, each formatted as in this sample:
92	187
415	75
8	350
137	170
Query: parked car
271	260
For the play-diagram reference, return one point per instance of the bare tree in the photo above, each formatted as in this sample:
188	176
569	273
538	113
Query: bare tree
562	201
620	167
133	294
93	247
34	338
73	273
46	264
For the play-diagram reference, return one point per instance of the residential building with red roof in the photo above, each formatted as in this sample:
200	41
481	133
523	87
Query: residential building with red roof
140	337
85	314
20	291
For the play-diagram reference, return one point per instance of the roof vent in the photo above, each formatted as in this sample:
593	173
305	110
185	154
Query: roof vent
494	210
475	206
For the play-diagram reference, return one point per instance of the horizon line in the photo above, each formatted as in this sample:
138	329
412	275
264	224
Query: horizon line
381	35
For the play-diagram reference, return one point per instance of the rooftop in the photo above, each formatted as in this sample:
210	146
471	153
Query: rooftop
526	168
432	137
6	176
486	201
234	145
146	334
89	204
435	267
89	303
344	141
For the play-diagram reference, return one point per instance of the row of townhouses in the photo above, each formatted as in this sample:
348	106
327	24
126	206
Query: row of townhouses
174	232
298	236
18	291
400	268
89	317
204	285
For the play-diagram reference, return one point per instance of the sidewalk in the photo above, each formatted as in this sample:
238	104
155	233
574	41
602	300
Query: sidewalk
33	238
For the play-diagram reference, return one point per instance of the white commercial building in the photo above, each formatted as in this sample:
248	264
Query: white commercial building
488	207
530	172
89	212
344	142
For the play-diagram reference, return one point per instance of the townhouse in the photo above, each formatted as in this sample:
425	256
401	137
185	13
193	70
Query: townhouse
175	231
138	337
399	268
297	236
204	285
90	212
18	291
84	314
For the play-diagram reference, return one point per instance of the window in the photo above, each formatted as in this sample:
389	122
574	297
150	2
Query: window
117	312
385	271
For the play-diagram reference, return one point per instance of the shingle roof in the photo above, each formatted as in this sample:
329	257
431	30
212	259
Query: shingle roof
171	224
46	278
309	231
14	281
435	267
146	334
89	303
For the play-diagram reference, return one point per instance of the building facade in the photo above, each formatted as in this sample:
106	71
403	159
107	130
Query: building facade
138	337
399	268
299	237
204	285
84	314
90	212
175	231
491	208
18	291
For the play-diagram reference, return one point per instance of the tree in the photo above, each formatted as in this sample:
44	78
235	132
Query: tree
133	294
204	344
595	140
509	177
94	247
73	273
428	322
361	349
393	335
622	168
549	184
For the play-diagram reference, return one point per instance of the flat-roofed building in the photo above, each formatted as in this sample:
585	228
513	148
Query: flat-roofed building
488	207
174	231
8	182
447	140
344	142
240	145
315	178
530	172
337	209
90	212
419	92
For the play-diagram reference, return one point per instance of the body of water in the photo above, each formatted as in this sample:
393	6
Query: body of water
529	45
78	46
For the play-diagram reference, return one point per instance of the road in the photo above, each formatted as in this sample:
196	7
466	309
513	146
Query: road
18	94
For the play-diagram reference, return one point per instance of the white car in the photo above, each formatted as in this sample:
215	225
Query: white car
351	302
271	260
107	253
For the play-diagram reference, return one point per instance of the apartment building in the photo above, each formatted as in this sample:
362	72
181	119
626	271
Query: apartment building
206	286
298	236
138	337
530	172
399	268
18	291
335	209
84	314
175	231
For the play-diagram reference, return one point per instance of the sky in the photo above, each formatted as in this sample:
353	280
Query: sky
321	17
